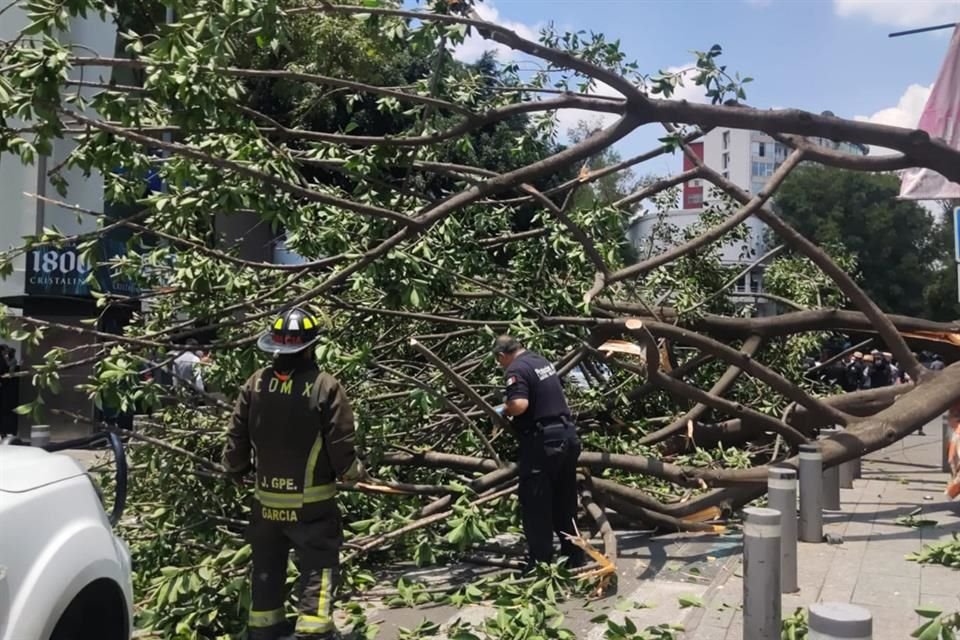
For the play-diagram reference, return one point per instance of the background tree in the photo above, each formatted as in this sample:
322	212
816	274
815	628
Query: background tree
940	294
892	241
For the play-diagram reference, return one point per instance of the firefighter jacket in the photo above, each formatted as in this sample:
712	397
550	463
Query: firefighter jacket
299	426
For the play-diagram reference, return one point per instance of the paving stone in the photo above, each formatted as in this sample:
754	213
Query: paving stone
938	580
708	632
887	591
946	603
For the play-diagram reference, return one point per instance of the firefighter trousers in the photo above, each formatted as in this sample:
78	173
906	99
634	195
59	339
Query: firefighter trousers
548	495
316	545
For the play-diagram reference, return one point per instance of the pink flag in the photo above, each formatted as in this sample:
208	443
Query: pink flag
939	119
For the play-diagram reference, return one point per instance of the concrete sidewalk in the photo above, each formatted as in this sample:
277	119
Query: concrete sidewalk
869	568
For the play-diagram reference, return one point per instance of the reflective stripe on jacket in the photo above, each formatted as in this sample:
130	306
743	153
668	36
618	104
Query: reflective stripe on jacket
300	428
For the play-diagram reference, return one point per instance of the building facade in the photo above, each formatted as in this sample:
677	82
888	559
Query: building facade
748	159
50	282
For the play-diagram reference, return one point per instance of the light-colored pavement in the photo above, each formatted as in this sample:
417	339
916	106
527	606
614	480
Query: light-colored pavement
869	568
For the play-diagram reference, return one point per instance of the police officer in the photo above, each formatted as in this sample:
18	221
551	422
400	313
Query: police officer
549	449
299	424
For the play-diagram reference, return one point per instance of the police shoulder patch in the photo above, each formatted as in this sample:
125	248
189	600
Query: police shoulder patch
511	380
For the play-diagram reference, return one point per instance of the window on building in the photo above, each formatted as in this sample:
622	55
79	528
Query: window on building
759	149
761	169
726	160
755	282
726	139
742	284
726	174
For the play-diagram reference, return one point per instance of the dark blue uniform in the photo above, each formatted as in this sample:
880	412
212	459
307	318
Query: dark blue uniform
549	450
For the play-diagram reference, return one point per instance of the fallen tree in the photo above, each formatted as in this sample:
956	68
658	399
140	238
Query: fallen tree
421	237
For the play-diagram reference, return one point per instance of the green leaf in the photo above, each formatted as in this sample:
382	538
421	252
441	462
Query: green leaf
23	409
690	601
927	612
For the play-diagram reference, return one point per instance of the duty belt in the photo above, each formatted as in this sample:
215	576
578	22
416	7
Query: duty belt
554	428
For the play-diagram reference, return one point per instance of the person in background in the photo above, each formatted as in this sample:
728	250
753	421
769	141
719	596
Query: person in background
186	371
879	371
896	376
853	379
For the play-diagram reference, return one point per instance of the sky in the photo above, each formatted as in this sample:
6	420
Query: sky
815	55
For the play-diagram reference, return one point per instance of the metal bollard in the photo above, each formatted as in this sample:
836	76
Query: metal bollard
811	493
839	621
831	479
39	435
946	434
831	488
858	467
782	496
761	574
846	472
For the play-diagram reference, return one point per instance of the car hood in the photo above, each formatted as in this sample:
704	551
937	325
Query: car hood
26	468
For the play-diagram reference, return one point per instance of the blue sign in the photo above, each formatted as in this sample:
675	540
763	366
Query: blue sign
956	235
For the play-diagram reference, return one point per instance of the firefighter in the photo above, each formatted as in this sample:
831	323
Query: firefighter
549	450
299	424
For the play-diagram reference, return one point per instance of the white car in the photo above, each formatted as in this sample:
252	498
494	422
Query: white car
63	574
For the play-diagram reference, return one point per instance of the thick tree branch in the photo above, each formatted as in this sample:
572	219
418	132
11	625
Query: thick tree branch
719	388
845	283
683	390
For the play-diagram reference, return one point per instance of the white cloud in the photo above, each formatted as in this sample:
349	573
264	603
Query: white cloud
905	114
569	118
690	91
475	45
900	13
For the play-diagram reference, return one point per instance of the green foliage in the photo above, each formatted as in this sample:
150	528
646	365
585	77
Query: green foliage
185	521
940	294
891	240
937	626
945	553
795	626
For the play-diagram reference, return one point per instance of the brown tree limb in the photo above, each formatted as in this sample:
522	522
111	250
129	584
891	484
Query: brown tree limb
654	188
684	390
276	74
745	361
461	384
883	325
365	546
924	150
499	34
228	165
453	407
780	325
777	250
719	388
597	514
